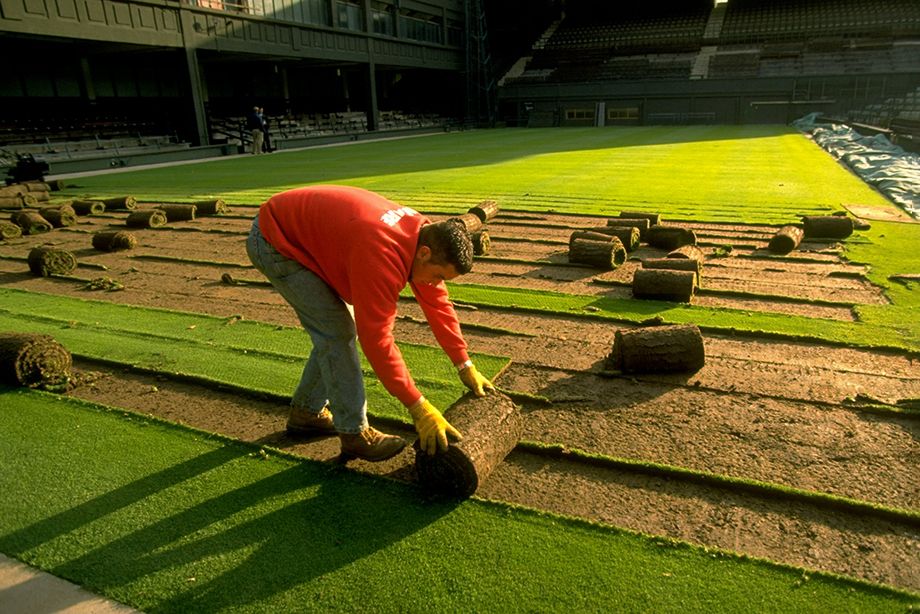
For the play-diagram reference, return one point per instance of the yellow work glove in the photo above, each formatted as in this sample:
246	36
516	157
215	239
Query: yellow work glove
432	428
473	379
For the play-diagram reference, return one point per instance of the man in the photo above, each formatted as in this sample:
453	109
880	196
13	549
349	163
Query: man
327	247
256	126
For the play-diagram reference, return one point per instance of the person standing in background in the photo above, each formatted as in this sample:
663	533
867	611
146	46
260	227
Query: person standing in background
256	126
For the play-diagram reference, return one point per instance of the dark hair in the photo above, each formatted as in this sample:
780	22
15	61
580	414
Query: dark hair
449	243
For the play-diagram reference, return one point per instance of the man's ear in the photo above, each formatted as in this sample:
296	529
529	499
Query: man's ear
423	253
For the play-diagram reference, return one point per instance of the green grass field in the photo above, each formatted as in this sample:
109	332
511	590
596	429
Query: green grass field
185	521
173	520
755	174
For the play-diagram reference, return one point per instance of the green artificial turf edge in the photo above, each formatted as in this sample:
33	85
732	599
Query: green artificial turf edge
223	351
868	335
77	556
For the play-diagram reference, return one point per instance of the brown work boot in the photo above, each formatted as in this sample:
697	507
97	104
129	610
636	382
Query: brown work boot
305	423
370	445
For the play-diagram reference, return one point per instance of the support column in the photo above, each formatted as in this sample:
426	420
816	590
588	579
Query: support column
197	92
86	78
372	116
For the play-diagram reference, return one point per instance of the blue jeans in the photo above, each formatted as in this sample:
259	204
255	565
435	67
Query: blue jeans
332	374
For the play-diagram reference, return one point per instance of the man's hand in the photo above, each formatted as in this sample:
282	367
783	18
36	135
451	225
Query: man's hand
432	428
473	379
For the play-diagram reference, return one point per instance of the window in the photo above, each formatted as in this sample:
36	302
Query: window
623	113
579	114
348	16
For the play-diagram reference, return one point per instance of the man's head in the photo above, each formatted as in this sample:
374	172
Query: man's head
444	251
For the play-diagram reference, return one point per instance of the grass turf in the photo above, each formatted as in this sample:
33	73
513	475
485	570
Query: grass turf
752	174
168	519
251	355
758	173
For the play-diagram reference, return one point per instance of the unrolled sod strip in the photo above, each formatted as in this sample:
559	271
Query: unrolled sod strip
146	218
33	360
491	426
114	240
45	261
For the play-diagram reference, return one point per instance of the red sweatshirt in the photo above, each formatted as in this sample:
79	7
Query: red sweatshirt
363	245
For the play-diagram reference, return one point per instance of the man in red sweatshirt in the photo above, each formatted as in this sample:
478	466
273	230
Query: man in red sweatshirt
340	256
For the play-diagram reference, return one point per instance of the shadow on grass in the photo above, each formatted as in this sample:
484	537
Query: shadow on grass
241	546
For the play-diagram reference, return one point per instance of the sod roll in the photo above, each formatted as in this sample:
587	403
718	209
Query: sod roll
491	426
687	252
60	216
786	239
481	243
57	185
46	260
146	218
653	218
36	186
211	207
179	213
485	210
114	240
16	189
629	236
606	255
641	223
470	221
120	202
31	222
674	264
33	360
11	202
827	226
658	349
9	230
590	235
670	237
39	197
664	284
88	207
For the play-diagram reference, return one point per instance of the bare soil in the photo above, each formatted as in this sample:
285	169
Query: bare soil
777	412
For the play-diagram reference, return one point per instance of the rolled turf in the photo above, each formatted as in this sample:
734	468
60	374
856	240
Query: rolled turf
45	261
31	359
168	519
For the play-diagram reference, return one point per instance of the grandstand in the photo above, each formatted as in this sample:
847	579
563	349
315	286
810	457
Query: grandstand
131	78
743	61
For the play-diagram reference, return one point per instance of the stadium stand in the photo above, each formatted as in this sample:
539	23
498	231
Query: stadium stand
739	61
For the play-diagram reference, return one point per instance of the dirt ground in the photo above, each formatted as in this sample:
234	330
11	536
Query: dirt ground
778	412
